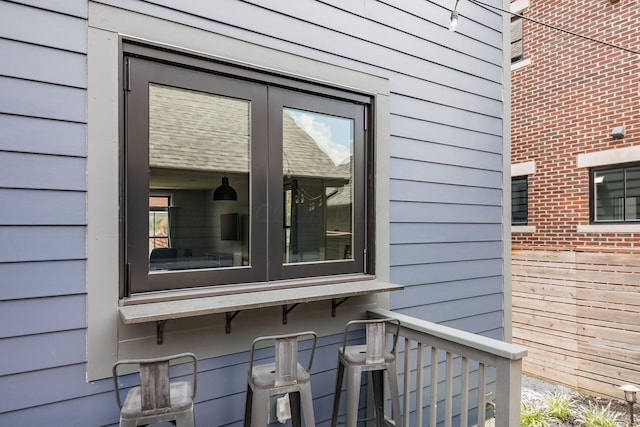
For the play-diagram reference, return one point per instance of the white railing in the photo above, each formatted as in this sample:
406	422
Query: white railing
472	365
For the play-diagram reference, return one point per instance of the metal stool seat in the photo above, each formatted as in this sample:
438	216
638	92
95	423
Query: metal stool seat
372	357
157	399
283	376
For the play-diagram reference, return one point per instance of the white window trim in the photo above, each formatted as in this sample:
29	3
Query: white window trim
609	157
609	228
524	168
525	229
108	338
519	6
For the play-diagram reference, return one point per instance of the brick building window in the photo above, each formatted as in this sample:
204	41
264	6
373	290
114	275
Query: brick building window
615	194
516	39
519	200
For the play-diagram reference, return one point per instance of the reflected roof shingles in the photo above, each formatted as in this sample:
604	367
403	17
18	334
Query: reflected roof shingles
199	131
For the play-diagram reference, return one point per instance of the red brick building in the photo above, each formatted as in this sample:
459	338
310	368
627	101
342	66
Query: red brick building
576	191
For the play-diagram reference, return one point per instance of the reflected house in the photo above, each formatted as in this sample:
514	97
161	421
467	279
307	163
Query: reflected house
196	139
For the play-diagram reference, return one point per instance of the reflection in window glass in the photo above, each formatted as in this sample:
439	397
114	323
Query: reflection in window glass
198	147
317	185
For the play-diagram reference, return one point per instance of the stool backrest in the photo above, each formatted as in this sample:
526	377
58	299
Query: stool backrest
286	355
155	381
286	361
376	342
376	336
154	386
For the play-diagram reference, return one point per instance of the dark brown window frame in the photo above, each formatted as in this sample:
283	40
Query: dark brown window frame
269	92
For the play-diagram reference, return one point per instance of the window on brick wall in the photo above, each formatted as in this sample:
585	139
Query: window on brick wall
516	39
615	194
519	200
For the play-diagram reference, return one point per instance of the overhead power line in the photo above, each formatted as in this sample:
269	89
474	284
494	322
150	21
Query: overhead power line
487	6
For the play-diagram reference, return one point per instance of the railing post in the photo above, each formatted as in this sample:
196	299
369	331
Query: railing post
508	383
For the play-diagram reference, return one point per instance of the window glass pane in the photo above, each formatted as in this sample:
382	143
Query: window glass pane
632	194
317	185
519	201
199	153
608	195
516	39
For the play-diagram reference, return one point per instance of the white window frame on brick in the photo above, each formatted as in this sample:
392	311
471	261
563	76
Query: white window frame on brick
519	170
518	7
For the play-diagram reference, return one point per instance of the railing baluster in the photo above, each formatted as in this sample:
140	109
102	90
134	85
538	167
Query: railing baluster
407	381
464	393
482	391
433	410
448	407
419	383
471	348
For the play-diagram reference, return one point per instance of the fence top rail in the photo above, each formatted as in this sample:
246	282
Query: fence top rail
478	342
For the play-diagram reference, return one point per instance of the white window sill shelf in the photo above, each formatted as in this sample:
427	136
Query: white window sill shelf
523	229
609	228
139	311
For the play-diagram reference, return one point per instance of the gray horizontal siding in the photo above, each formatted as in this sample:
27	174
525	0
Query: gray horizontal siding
42	64
29	134
445	252
76	8
444	174
445	154
42	171
42	351
41	279
42	207
446	272
35	99
54	314
419	191
42	27
408	233
42	243
450	214
419	109
420	130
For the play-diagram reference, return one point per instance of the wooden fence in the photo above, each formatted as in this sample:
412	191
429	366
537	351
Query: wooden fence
578	313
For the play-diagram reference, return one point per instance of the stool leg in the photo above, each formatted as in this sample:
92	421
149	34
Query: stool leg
336	394
354	377
294	403
378	396
186	418
260	408
395	393
247	407
307	405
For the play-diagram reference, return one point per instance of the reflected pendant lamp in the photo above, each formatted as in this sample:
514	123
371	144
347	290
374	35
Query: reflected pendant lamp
225	191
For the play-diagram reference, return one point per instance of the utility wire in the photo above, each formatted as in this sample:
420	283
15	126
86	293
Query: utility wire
485	5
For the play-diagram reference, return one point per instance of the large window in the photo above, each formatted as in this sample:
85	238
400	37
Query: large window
615	194
519	200
242	177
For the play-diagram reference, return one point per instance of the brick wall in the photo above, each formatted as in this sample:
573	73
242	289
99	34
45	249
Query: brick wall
566	102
